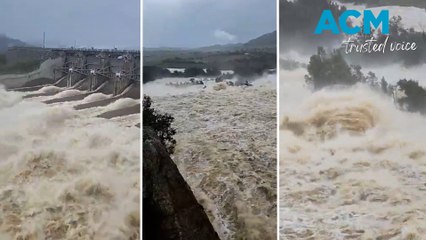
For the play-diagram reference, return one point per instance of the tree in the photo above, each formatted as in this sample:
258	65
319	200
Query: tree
3	59
372	80
330	69
358	74
160	123
415	96
298	20
398	33
194	72
213	71
384	85
150	73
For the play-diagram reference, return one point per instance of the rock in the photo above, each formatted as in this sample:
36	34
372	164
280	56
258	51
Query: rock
170	209
219	86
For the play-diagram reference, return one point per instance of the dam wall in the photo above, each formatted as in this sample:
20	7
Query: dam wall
83	69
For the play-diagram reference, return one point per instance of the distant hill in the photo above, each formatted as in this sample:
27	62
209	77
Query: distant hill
261	50
219	48
165	49
267	41
6	42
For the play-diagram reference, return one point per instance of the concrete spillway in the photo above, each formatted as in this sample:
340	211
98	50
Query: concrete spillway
34	85
133	91
121	112
39	83
101	89
58	84
113	73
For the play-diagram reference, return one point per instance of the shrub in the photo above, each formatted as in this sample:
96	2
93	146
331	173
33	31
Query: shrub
327	69
194	72
160	123
415	96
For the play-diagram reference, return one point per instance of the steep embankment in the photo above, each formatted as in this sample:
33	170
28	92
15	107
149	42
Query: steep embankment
170	209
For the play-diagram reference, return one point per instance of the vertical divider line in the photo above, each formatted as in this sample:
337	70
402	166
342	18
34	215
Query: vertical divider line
278	115
141	118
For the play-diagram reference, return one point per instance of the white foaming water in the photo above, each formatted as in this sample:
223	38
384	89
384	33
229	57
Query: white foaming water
352	165
95	97
227	71
226	151
395	72
295	56
412	17
45	70
68	93
128	120
171	87
180	70
267	81
163	87
122	103
8	99
49	89
64	175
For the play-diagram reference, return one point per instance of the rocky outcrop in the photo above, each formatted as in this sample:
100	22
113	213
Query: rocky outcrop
170	210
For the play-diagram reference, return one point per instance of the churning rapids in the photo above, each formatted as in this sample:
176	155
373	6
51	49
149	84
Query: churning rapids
226	151
353	166
65	174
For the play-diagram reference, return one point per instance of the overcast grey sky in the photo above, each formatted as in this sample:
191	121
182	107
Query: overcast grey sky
196	23
88	23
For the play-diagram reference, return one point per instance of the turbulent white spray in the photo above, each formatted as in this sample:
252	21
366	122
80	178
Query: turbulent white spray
226	151
66	175
45	71
351	165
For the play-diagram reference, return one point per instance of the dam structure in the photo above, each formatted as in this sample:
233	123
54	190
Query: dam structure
114	73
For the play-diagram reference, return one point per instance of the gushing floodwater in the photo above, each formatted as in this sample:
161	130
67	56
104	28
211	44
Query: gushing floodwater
352	166
226	151
65	174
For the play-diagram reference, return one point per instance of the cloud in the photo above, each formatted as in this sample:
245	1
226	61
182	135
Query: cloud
192	23
224	35
88	26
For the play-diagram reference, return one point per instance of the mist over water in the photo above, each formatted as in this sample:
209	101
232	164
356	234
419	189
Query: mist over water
353	166
65	174
170	87
412	17
226	151
395	72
